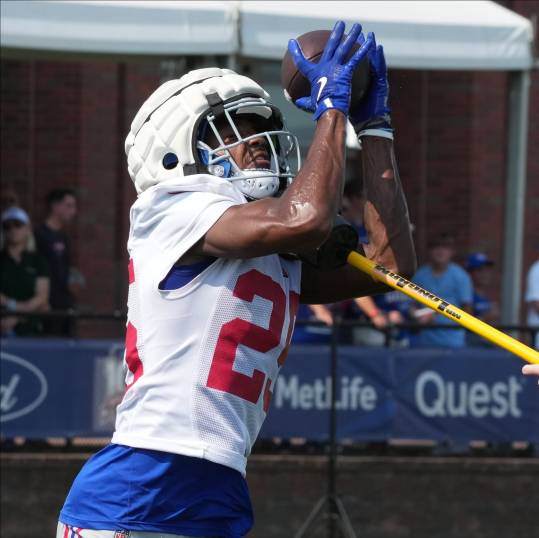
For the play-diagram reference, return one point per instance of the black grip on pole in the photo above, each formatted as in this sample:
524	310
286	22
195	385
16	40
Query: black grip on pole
334	251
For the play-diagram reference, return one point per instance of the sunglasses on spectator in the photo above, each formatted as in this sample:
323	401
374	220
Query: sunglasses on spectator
9	224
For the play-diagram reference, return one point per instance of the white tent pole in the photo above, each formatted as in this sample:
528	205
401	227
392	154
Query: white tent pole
515	195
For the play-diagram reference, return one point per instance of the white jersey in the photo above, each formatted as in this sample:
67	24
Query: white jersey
201	360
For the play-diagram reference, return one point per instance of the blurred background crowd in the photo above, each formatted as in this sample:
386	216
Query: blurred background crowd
36	272
64	122
38	275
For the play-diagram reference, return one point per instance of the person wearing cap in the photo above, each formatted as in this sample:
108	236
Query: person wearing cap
448	280
24	276
479	265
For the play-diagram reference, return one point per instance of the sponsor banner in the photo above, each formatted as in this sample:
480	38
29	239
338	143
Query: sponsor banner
433	394
302	396
462	395
71	388
48	388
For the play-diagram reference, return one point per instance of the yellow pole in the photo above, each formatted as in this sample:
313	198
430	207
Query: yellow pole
442	307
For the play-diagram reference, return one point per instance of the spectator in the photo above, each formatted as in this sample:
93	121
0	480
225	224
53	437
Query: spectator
376	316
313	334
382	312
396	308
369	311
53	244
24	276
532	298
358	309
450	282
479	266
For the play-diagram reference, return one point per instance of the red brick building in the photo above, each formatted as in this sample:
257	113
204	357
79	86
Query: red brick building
64	123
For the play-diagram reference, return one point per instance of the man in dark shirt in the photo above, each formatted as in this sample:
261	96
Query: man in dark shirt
53	243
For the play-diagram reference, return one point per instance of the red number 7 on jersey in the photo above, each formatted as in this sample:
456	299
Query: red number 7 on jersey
222	376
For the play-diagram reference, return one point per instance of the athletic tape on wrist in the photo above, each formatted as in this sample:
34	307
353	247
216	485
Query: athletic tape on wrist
383	133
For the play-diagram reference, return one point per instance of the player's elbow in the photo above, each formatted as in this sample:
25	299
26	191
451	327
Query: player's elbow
307	227
313	233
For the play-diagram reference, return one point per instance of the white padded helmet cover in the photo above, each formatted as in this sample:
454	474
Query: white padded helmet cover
165	122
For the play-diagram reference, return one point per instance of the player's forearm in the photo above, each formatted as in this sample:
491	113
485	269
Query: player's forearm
315	195
385	212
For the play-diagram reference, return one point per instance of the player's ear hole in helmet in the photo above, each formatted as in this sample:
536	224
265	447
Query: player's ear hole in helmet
170	161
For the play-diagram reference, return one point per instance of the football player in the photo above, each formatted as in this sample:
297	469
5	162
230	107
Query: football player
217	235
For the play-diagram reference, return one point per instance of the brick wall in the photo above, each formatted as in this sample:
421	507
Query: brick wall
389	497
450	144
15	138
64	123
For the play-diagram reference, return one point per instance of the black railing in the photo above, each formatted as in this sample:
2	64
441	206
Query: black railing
390	332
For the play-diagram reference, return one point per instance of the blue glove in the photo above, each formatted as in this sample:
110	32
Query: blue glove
373	113
331	77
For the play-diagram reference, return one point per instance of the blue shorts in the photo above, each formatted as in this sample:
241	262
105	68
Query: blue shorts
136	489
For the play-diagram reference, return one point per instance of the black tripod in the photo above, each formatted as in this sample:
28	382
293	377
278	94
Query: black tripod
335	508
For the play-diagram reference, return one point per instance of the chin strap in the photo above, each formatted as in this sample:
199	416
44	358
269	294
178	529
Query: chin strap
257	183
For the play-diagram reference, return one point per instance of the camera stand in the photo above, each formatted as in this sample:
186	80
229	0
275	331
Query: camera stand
335	508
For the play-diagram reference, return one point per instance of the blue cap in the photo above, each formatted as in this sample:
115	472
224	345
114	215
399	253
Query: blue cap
16	213
478	259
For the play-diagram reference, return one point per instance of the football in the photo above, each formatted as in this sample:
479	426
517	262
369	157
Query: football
312	44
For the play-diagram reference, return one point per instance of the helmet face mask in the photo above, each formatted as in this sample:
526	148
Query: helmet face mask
254	123
212	122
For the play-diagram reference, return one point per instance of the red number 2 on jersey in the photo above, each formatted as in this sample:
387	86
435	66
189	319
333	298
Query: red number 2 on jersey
222	375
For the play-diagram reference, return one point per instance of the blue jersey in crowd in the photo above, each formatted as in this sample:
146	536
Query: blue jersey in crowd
455	286
482	305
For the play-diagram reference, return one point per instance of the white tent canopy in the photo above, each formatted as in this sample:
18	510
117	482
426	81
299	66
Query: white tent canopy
418	35
120	27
